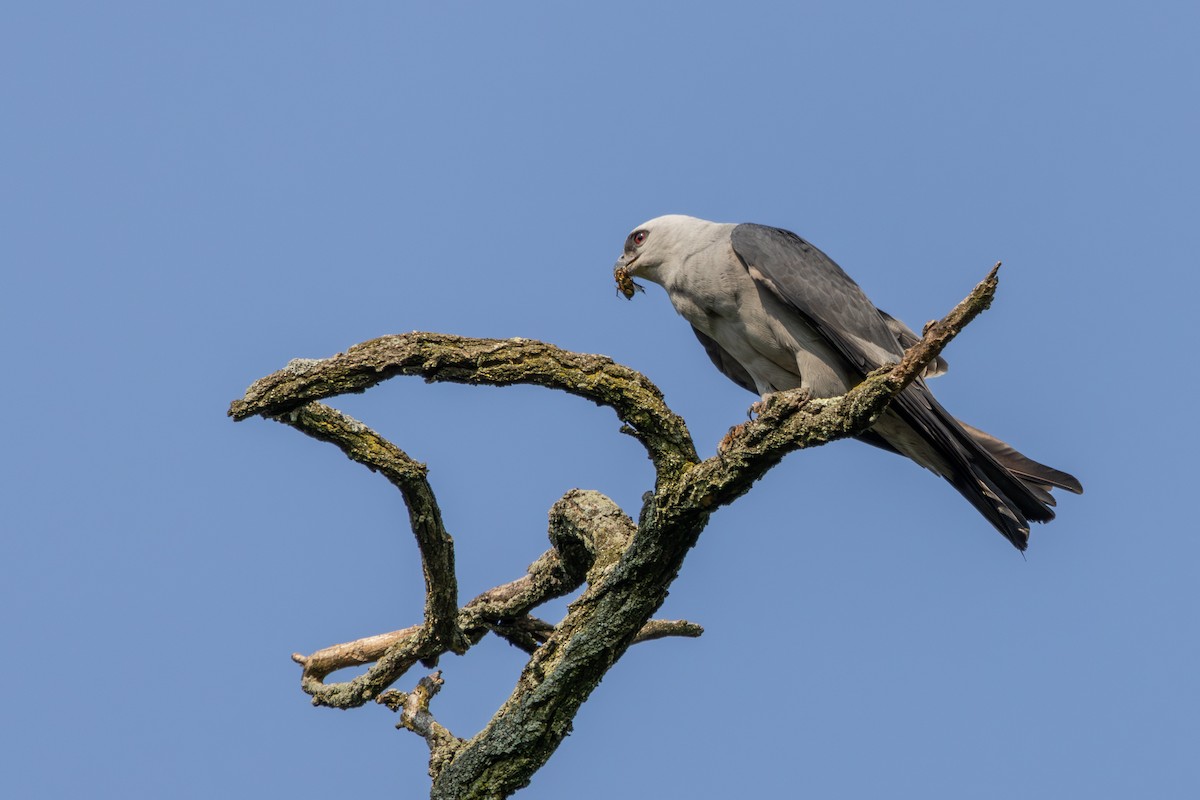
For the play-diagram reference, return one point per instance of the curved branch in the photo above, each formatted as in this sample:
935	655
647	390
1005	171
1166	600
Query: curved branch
497	362
367	447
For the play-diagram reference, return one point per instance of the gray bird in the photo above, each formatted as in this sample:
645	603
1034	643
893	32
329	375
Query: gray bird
773	312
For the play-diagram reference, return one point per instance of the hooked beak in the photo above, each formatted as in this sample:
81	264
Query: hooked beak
621	272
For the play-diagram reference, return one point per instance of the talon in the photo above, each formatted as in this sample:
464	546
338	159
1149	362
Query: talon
759	406
729	438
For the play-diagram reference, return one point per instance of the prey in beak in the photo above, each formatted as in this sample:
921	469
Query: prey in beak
625	284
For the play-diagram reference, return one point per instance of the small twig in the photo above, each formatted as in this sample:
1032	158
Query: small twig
404	651
351	654
526	633
413	708
662	628
937	334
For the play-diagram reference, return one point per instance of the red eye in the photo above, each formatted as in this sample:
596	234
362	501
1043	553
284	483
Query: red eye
639	237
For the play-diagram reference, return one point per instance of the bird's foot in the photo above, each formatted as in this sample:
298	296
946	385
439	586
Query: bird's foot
758	407
728	439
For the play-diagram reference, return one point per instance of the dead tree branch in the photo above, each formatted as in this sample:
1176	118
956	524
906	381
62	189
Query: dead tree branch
413	708
367	447
494	362
625	569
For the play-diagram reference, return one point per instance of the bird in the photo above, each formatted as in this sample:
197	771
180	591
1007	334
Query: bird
775	313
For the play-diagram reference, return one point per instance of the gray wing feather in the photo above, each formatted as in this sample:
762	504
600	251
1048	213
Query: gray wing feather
827	298
817	288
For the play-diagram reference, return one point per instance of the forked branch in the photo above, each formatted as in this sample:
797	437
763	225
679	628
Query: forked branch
626	569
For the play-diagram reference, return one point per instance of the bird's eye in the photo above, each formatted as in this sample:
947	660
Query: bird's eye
639	237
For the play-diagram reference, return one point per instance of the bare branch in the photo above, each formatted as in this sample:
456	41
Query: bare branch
413	708
351	654
497	362
938	334
527	633
662	628
408	647
367	447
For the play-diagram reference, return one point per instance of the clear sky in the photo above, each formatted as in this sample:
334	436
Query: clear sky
195	193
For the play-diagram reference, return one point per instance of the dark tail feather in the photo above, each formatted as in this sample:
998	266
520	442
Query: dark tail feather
1006	487
1032	474
977	484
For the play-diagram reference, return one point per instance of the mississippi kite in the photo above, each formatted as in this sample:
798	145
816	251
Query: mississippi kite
774	313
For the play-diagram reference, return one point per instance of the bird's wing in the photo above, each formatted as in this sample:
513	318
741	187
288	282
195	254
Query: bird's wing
809	282
826	297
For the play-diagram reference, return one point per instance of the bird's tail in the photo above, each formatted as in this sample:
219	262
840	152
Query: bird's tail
1008	488
1037	477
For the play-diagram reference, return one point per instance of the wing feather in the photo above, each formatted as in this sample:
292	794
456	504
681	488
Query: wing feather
809	282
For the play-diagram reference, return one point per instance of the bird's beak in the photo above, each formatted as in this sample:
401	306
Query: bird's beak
621	272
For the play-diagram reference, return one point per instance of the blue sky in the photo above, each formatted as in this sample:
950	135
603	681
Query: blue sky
196	193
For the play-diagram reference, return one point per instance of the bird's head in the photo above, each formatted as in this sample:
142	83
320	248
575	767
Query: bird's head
655	248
